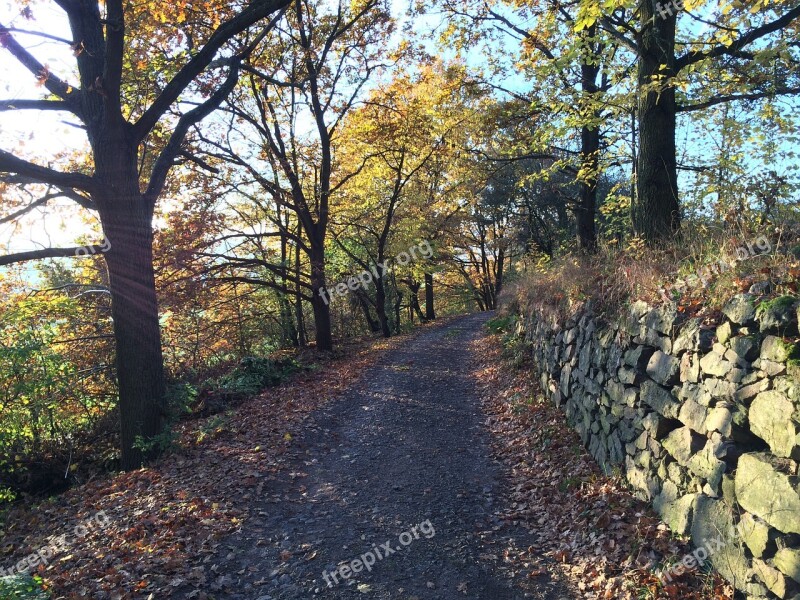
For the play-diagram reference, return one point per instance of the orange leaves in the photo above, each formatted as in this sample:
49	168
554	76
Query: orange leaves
167	521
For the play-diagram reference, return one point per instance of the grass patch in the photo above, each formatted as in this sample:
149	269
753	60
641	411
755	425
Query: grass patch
699	272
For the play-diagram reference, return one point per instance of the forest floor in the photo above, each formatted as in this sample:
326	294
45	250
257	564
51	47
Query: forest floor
425	455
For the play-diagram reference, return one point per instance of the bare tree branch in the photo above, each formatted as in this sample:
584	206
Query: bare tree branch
11	164
781	91
53	84
34	105
747	38
255	11
19	257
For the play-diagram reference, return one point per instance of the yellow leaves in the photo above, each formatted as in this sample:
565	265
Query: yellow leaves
726	37
589	13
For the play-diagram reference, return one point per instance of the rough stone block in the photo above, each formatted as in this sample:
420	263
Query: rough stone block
675	510
662	319
678	475
788	562
766	492
706	465
720	419
659	399
741	309
637	357
771	419
651	337
715	364
719	388
736	375
756	535
693	415
645	486
615	391
724	332
752	390
690	367
627	375
745	347
779	315
656	425
770	367
694	392
683	444
774	348
688	337
663	368
729	490
566	373
713	528
773	579
632	318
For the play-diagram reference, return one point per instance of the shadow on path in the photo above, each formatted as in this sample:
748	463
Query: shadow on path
405	445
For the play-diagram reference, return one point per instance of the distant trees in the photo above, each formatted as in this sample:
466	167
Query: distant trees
287	117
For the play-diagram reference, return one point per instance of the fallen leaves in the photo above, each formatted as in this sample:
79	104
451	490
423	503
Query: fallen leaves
604	540
168	522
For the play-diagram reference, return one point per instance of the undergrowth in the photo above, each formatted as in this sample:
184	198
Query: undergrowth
700	270
22	587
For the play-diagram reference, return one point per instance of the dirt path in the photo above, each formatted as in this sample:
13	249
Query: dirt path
402	458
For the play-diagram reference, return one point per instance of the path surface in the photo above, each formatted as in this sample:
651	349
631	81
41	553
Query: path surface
406	445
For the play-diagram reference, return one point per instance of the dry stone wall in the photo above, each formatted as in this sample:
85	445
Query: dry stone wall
704	421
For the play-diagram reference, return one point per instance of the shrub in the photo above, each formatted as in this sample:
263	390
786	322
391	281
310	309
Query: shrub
255	373
22	587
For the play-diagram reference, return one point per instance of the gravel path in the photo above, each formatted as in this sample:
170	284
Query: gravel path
405	447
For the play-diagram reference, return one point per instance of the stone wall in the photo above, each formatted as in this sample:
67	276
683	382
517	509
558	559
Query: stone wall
703	421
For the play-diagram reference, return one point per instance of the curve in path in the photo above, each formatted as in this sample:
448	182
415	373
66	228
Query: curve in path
405	447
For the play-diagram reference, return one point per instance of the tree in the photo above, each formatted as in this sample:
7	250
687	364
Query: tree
296	96
126	178
656	210
404	127
571	70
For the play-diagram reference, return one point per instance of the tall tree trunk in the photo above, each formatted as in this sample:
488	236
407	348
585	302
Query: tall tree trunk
585	215
298	299
590	153
374	324
288	325
413	305
398	304
380	302
430	313
656	209
498	279
134	308
320	305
